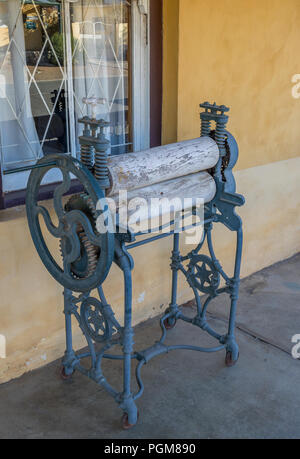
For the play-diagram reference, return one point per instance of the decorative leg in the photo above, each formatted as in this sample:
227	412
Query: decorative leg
127	403
67	368
232	349
173	309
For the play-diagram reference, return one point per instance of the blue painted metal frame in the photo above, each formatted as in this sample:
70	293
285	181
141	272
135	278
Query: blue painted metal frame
203	274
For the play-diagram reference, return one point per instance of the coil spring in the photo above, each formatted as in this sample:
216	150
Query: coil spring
86	154
205	128
220	136
101	172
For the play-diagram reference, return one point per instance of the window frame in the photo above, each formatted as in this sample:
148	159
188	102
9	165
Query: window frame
147	94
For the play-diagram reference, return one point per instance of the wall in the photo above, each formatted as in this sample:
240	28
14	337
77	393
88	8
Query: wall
241	53
170	70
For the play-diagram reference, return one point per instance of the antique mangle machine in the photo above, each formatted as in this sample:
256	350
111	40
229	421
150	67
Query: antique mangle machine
91	239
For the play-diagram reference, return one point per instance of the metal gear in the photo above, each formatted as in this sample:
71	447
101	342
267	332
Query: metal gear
78	272
86	264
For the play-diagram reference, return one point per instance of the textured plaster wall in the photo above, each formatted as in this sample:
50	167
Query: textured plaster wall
242	53
170	70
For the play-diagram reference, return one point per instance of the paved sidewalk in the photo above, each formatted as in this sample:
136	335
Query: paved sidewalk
187	394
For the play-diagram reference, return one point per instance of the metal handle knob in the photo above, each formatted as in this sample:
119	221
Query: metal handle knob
93	102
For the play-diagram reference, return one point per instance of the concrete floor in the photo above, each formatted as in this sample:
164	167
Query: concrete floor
187	394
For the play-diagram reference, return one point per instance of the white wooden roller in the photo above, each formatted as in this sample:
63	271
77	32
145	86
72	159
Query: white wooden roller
184	193
139	170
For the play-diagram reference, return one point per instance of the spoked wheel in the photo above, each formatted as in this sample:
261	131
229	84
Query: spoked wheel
83	231
229	362
170	323
125	422
63	374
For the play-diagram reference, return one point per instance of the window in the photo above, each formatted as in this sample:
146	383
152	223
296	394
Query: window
53	54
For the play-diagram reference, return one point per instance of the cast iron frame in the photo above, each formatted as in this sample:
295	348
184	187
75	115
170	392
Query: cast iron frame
203	273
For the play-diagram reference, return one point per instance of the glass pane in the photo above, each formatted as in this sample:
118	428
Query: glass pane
100	43
33	109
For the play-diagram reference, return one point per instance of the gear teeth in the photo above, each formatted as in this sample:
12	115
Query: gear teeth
91	250
92	208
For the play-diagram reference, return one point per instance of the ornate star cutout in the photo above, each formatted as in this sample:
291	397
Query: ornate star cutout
203	274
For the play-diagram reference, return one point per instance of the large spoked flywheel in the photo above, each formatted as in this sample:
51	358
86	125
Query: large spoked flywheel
87	251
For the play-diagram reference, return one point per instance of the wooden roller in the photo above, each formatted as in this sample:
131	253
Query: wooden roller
184	193
139	170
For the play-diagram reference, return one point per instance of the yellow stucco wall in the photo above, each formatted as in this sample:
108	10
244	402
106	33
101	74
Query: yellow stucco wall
241	53
170	70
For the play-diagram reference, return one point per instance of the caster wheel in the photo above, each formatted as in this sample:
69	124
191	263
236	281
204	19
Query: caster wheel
125	422
169	323
229	362
64	376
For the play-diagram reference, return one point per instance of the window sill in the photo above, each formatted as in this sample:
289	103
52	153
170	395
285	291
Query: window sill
18	198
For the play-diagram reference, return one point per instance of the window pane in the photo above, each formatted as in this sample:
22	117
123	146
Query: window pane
100	43
33	111
40	66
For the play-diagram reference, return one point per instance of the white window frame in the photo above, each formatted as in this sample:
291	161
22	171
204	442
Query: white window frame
140	17
140	58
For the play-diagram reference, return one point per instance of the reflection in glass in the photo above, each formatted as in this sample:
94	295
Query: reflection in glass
100	32
36	55
33	108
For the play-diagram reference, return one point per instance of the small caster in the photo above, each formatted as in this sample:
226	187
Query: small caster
229	362
125	422
63	374
170	323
